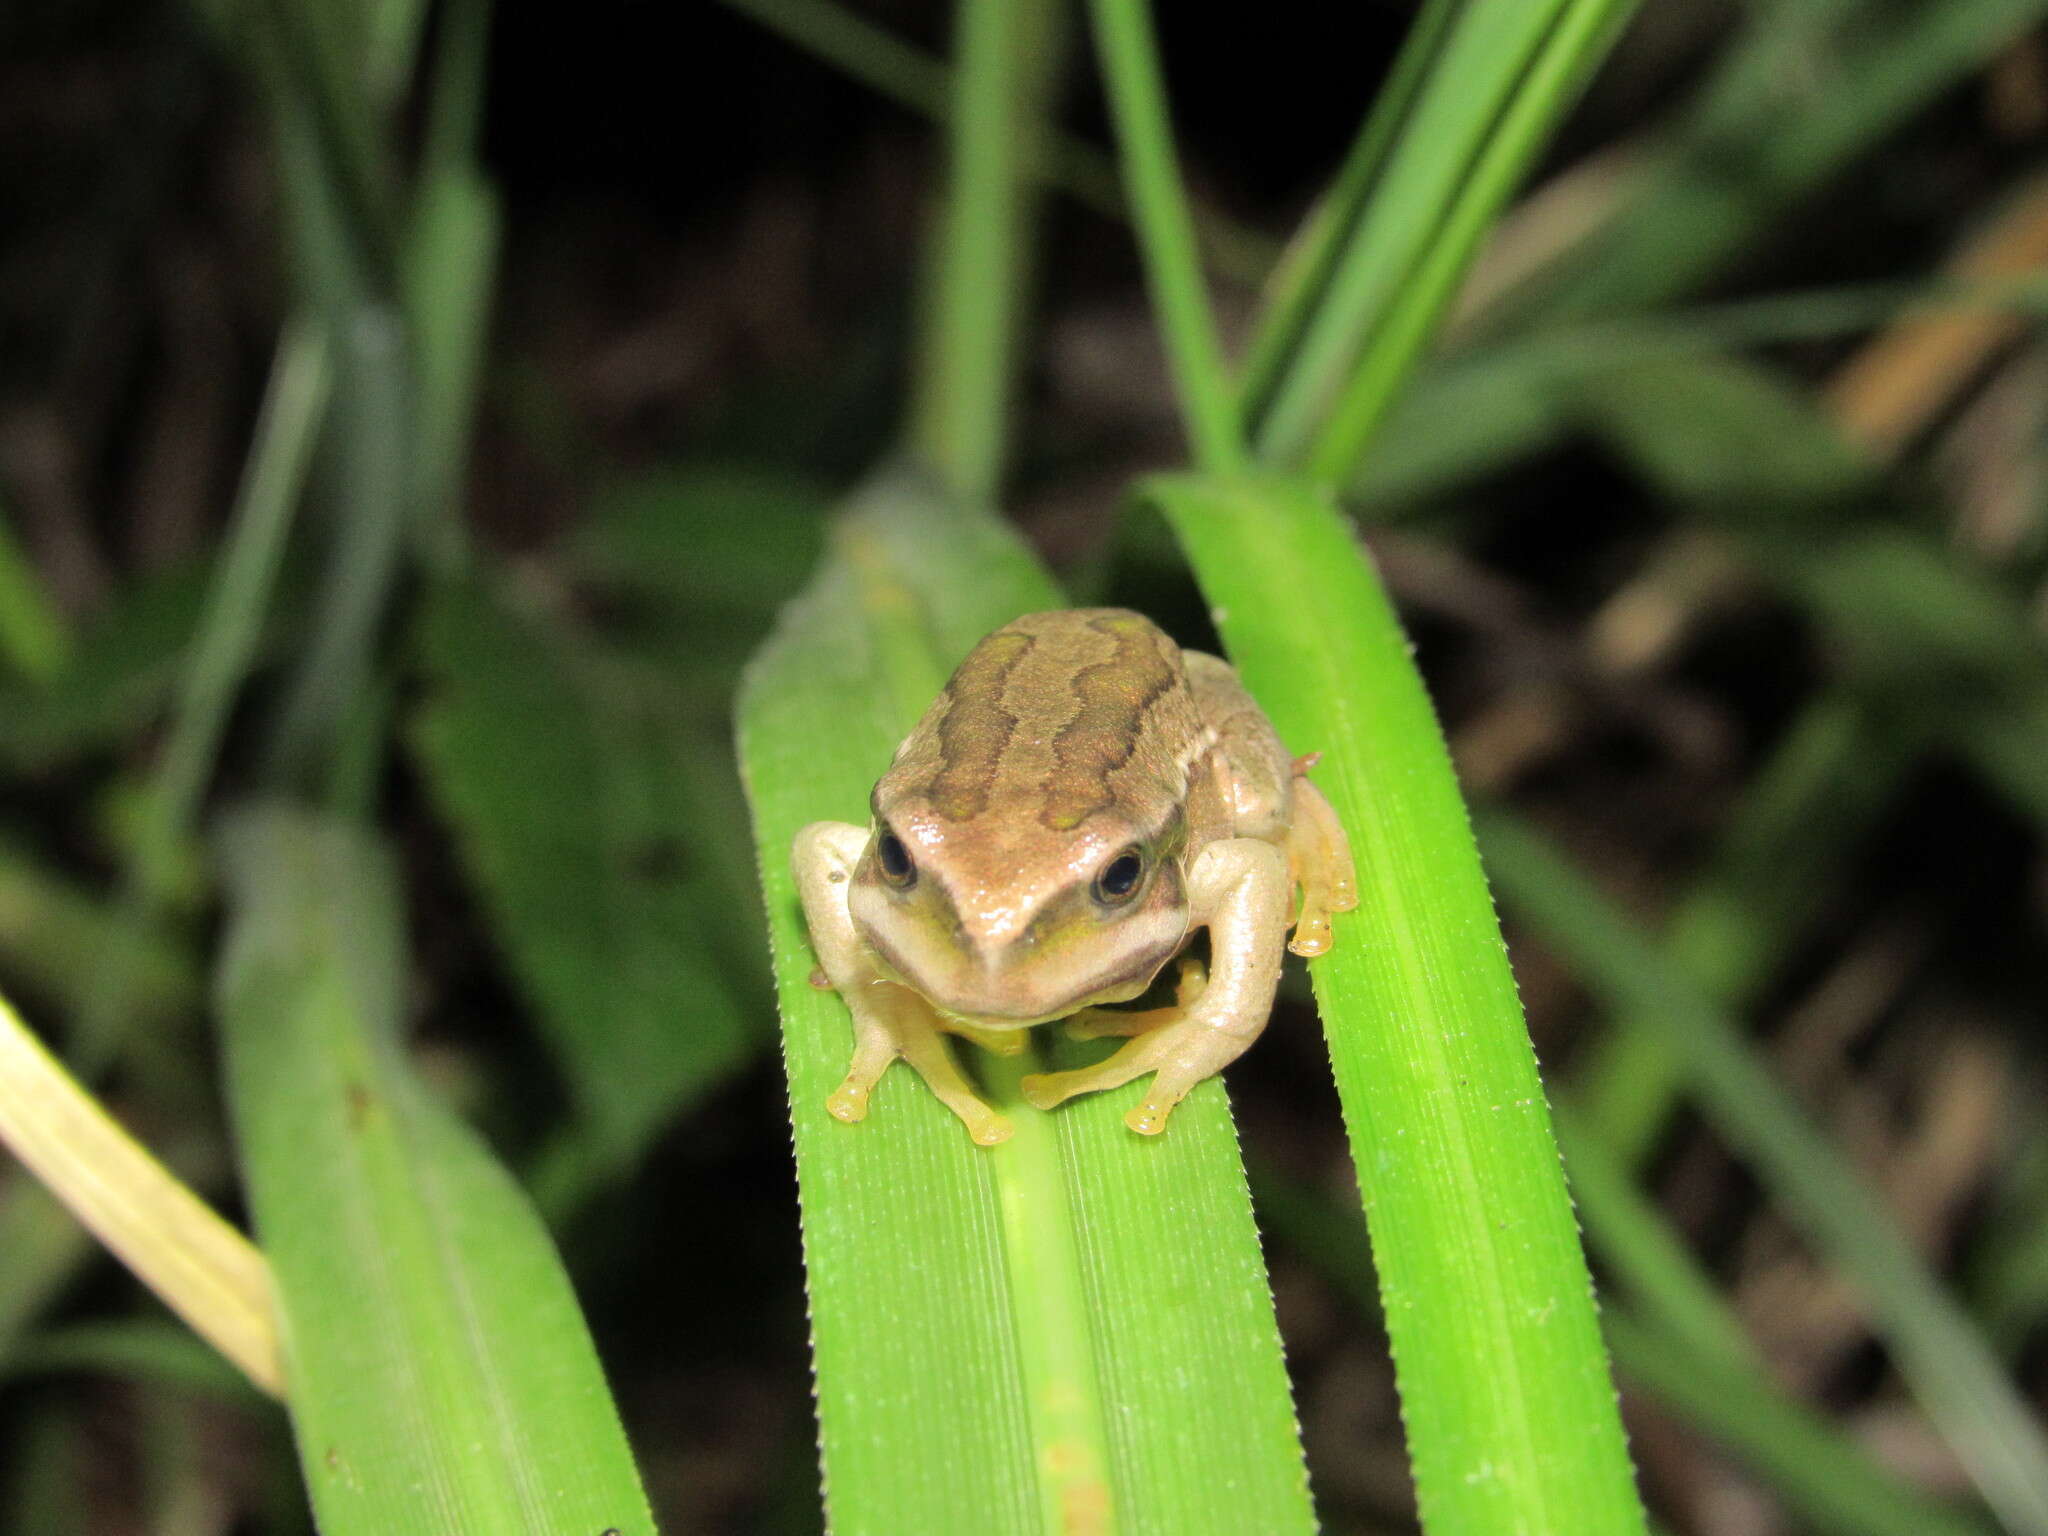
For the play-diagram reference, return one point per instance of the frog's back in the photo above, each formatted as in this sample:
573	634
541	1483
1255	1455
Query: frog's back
1054	719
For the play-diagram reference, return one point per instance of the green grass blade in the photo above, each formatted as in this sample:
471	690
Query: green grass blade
450	262
1166	231
1504	1386
222	652
1809	87
1301	280
1936	1348
592	891
1488	50
1584	31
55	936
136	1349
44	1247
441	1378
962	1297
1643	1252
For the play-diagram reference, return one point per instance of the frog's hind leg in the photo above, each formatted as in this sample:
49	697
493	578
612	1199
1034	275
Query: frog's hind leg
1116	1023
1319	854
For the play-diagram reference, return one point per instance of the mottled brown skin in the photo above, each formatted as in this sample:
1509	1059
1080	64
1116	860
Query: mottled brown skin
1064	746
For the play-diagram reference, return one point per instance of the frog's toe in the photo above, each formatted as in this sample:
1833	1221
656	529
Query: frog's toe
1312	935
848	1103
1149	1118
989	1130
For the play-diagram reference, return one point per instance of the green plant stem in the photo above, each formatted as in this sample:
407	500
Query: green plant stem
918	81
1933	1343
1580	38
226	644
1049	1294
1166	233
960	414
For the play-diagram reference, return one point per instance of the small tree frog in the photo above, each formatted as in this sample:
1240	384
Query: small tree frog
1081	796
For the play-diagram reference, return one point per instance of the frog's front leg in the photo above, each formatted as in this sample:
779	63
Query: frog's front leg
1242	889
889	1019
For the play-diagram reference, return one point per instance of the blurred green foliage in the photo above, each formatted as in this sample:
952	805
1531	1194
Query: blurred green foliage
1755	698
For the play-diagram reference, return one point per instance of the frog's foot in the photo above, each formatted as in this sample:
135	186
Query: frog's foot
873	1051
892	1021
997	1042
1319	856
921	1044
1121	1023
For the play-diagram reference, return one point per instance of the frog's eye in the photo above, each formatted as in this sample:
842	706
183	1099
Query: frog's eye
894	860
1120	878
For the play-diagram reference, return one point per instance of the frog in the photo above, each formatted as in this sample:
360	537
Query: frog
1081	798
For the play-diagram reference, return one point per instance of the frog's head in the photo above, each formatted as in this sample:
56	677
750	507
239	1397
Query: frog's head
1013	920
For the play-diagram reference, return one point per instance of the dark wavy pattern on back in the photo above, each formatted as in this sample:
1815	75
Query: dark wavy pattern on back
976	730
1114	695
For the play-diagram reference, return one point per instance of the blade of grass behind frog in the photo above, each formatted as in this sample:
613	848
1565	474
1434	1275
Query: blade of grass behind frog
1505	1392
1072	1327
1933	1343
442	1381
35	639
588	891
1806	88
1780	849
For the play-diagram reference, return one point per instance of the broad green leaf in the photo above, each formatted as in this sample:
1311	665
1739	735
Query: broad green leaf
441	1379
561	797
1717	430
723	540
1067	1332
123	668
1505	1392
